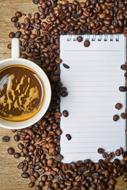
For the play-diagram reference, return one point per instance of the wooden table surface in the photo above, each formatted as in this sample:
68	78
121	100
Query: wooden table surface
9	174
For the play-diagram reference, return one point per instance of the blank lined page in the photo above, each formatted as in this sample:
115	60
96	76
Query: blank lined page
93	81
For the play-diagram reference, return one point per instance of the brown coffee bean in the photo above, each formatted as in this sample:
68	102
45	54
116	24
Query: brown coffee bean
18	14
117	152
14	19
123	115
118	106
11	151
68	137
125	74
25	175
17	155
11	35
20	165
116	118
50	162
31	184
124	67
86	43
65	113
44	178
35	1
16	138
18	34
66	66
79	38
6	138
100	150
20	146
122	89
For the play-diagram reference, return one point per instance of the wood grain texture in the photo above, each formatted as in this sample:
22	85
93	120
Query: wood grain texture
9	174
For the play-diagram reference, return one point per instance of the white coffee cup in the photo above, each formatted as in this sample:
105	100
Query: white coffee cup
15	59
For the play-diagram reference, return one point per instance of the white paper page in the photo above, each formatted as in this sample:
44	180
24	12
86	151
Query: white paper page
93	82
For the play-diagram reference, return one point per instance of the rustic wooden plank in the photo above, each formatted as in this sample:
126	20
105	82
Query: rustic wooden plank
9	174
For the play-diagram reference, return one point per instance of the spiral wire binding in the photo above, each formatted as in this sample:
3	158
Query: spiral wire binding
99	38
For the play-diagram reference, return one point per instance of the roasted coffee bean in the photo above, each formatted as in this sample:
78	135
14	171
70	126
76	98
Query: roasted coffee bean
31	184
79	38
35	1
86	43
66	66
125	74
20	146
118	106
17	155
116	118
14	19
38	187
123	115
6	138
17	138
117	152
20	165
65	113
101	150
18	14
25	175
11	151
124	67
11	35
68	137
18	34
122	88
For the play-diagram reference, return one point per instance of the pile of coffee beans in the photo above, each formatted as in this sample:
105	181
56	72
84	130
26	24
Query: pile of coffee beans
39	145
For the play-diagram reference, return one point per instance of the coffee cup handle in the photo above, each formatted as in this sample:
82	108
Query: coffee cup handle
15	52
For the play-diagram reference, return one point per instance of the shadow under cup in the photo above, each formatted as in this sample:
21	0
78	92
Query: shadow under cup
40	106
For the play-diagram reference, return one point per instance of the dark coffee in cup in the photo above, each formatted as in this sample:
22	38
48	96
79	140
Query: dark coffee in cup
21	93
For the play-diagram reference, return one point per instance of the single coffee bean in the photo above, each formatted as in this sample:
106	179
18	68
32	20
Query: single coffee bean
123	115
35	1
18	14
44	178
11	151
125	155
31	184
100	150
17	155
6	138
11	35
18	34
116	117
125	74
117	152
122	88
118	106
20	146
86	43
14	19
25	175
20	165
65	113
17	138
79	38
38	187
68	137
66	66
124	67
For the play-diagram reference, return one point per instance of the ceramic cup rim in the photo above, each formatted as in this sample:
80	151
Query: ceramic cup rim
31	65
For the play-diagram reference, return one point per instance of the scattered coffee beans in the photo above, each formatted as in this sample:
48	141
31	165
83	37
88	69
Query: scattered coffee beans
6	138
40	143
68	137
116	117
118	106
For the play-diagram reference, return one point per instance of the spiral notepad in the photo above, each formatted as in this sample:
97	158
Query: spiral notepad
93	81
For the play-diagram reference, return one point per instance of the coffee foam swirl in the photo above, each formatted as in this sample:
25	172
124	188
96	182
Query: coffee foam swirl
20	93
